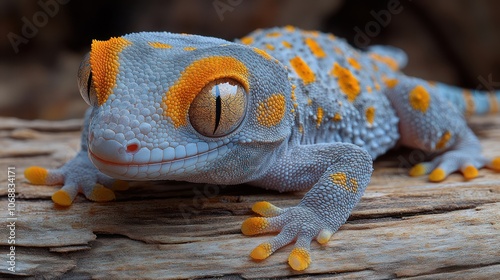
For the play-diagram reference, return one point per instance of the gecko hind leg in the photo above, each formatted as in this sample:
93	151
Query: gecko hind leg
428	121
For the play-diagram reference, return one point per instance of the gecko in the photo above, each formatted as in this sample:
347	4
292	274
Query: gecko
284	109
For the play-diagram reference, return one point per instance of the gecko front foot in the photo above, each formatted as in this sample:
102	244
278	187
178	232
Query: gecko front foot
77	175
300	223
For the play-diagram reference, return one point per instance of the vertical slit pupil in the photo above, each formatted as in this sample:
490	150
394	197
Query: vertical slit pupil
218	108
89	84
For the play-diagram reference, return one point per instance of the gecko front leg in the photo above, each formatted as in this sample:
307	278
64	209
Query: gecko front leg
339	174
78	175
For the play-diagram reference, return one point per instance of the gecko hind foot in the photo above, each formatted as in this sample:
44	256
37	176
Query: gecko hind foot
300	223
468	163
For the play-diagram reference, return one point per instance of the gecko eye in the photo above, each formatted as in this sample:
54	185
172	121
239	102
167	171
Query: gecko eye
85	84
219	108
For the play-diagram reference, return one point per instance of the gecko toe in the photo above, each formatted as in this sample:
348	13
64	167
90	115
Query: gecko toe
437	175
40	176
266	209
255	225
494	164
262	251
99	193
469	172
299	259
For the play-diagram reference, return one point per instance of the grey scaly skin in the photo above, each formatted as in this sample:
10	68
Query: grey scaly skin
283	109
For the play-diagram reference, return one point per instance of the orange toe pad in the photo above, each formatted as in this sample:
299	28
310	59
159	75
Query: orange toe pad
299	259
36	175
101	194
261	252
437	175
254	225
417	170
61	197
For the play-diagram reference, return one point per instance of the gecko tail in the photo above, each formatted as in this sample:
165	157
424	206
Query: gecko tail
470	101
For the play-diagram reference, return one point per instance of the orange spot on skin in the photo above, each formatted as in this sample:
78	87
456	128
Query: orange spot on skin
302	69
189	48
390	83
292	95
354	63
315	48
354	185
194	78
348	83
263	53
337	117
331	36
420	99
389	61
273	34
370	114
340	179
289	28
105	65
313	33
271	111
270	47
338	50
493	102
369	89
470	107
159	45
444	140
319	117
247	40
377	86
286	44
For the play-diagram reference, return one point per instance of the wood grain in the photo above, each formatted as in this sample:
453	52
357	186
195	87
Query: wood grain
403	227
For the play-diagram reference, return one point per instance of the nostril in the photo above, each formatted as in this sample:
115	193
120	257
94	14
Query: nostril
132	148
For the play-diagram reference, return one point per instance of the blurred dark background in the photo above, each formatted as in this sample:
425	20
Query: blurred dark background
42	41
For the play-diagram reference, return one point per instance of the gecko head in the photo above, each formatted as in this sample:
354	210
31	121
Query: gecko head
183	107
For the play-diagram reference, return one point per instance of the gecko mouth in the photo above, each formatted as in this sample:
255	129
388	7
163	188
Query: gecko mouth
161	169
94	156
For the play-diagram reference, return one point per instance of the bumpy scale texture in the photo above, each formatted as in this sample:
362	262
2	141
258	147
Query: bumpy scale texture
283	109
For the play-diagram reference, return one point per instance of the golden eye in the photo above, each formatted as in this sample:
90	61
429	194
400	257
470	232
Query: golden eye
219	108
85	84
